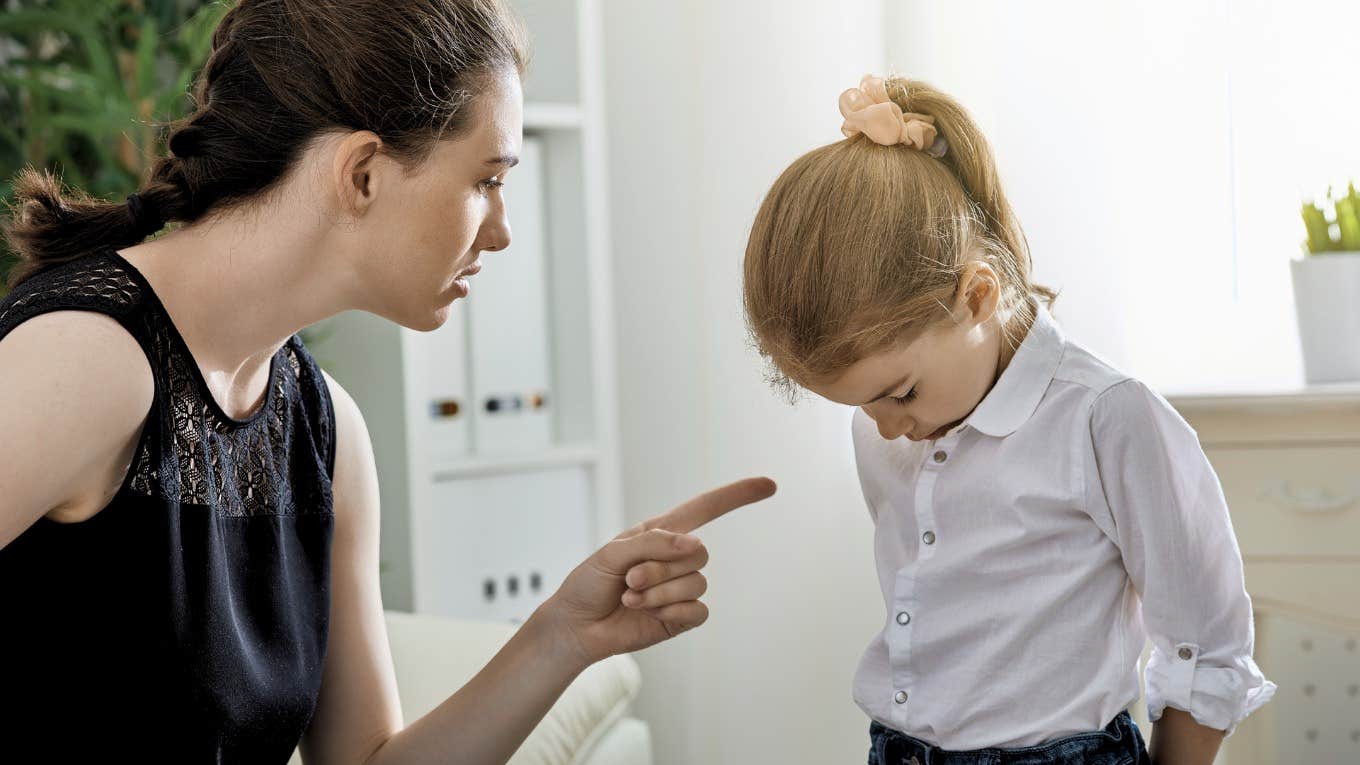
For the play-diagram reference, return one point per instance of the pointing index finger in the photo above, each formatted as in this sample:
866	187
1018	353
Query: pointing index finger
711	505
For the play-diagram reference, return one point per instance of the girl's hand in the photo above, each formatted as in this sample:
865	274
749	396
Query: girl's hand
644	586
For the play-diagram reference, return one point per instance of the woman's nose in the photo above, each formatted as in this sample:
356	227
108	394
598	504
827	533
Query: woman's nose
495	233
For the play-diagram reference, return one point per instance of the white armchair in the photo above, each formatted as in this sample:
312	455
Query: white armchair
588	726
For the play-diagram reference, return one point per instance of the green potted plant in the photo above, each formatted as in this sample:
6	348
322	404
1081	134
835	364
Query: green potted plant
86	87
1327	288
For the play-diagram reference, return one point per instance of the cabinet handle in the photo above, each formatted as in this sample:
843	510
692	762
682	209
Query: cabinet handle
1312	500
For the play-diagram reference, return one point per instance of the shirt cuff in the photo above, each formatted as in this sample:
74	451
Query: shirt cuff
1216	696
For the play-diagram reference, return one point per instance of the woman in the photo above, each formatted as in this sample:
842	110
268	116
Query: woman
188	505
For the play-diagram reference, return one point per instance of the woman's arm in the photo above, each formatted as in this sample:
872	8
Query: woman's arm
358	708
75	389
1178	740
358	719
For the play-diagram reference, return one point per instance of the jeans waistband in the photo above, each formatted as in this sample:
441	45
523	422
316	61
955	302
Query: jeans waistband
1117	740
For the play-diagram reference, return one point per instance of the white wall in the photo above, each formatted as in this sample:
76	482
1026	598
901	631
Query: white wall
707	102
1157	153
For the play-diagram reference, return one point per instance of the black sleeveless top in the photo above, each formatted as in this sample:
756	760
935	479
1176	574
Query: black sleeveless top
187	621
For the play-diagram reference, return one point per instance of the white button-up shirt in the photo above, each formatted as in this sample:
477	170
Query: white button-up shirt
1022	554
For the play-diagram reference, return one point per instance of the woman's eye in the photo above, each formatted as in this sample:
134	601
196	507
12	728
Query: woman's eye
493	183
906	397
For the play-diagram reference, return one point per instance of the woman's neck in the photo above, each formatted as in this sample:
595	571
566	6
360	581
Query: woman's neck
237	287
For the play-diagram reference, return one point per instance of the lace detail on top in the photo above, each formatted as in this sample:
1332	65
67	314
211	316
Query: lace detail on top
101	285
190	450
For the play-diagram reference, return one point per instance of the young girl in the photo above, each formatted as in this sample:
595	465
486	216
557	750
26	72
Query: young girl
1035	509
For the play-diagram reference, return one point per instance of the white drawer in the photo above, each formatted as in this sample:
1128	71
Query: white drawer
1294	500
1325	592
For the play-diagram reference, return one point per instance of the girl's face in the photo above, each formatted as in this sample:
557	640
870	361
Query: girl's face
426	228
925	387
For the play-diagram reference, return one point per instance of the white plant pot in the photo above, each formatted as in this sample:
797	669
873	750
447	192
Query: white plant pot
1327	299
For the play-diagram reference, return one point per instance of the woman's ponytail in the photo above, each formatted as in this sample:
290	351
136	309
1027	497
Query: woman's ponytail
50	225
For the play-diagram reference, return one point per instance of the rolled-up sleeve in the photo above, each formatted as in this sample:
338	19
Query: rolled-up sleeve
1171	524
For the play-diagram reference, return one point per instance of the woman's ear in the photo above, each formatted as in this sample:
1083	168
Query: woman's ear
978	294
353	173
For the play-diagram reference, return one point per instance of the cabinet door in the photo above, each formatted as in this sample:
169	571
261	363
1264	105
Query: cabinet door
1299	501
493	548
507	315
1315	714
437	362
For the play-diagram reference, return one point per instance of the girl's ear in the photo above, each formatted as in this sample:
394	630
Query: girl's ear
978	294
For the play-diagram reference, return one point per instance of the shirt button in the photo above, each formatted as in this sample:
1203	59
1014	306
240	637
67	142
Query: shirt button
941	456
928	537
901	697
1185	653
903	617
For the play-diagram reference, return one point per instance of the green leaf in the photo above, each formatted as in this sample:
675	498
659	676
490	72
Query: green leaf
39	20
148	42
81	24
71	88
1315	221
196	34
1348	220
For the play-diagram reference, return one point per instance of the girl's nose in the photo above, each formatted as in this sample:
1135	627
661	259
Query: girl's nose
893	431
889	426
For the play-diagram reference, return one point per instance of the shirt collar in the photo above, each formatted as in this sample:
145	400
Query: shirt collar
1022	385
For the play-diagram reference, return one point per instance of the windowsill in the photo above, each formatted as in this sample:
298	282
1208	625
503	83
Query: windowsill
1316	396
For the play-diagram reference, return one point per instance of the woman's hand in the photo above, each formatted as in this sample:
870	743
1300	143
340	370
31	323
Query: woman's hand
644	586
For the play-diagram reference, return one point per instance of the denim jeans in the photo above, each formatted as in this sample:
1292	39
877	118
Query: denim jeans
1119	744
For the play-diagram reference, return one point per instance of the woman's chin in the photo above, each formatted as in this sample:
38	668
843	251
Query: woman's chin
427	321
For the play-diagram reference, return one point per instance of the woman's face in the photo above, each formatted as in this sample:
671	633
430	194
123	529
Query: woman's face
426	229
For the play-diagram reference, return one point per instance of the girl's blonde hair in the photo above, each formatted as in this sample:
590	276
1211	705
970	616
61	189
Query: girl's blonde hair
859	247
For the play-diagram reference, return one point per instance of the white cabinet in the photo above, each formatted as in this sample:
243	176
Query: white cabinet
470	496
508	376
493	546
1290	468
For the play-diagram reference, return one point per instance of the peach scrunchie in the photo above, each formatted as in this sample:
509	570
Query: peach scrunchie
868	110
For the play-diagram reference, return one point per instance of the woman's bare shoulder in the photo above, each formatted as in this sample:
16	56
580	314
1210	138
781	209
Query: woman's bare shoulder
75	390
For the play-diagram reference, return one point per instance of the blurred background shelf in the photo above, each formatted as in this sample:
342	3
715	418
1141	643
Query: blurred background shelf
555	457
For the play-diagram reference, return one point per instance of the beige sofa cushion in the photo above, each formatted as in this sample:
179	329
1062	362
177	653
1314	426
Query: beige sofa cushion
435	656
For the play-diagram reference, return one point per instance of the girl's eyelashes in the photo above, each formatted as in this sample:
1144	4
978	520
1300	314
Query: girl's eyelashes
907	397
492	183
